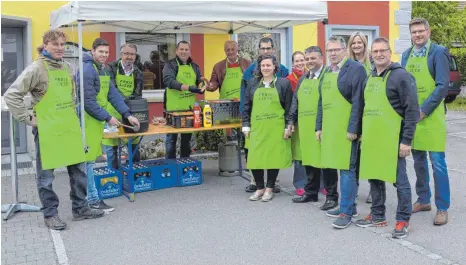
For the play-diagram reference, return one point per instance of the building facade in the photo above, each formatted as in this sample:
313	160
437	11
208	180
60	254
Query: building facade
22	30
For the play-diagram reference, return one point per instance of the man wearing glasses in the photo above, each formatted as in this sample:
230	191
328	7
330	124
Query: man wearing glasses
129	81
339	124
390	114
429	64
265	47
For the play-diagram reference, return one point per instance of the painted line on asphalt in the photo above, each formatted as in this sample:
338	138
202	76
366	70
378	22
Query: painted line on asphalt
458	134
59	247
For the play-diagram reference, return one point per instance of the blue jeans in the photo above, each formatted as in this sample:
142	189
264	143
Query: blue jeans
403	191
92	194
44	179
170	145
299	175
441	180
348	186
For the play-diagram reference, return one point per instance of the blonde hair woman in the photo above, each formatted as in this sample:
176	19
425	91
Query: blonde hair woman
358	50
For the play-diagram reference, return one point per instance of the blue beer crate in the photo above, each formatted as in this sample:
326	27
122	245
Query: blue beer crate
108	182
142	175
189	171
164	173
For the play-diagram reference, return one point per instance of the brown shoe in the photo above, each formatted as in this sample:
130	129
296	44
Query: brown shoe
441	218
417	207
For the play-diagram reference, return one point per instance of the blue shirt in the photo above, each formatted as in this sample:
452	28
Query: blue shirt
439	69
249	74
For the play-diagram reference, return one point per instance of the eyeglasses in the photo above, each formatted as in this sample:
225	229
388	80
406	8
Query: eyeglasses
418	32
375	52
266	48
129	54
334	50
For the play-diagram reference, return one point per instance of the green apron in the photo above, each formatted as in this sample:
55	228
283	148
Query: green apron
231	86
308	100
58	124
380	133
431	132
95	128
367	67
296	145
182	100
336	112
124	84
267	148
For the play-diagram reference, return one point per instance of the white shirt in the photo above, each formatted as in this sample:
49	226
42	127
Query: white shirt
316	74
130	71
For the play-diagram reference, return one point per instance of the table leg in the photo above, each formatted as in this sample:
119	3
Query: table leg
240	161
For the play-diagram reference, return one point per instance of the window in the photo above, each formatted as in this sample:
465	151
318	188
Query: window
453	66
345	31
249	44
154	50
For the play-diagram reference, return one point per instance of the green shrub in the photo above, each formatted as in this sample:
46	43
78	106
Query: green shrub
460	55
209	140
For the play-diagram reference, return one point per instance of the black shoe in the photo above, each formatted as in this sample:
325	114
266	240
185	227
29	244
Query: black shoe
88	213
304	198
329	204
277	189
251	188
102	206
55	223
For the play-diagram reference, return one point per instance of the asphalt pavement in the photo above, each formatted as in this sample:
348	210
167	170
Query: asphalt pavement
215	223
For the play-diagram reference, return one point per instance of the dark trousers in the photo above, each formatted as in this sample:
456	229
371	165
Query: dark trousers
330	182
112	155
170	145
403	191
258	175
44	179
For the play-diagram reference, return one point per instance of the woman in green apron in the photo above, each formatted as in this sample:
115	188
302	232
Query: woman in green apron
299	174
267	102
358	50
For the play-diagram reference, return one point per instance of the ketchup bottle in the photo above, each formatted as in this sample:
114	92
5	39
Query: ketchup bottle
197	115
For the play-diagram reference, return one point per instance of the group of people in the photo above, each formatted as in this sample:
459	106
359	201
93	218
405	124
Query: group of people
362	115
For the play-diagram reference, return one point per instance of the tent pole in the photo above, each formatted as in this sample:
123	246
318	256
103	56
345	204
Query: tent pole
81	83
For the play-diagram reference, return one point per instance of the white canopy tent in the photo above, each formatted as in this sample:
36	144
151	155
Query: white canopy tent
181	16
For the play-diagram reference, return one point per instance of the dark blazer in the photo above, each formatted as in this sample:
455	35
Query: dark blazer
350	84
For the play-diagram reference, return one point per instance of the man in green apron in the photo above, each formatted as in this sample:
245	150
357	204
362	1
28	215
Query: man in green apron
429	64
304	110
99	93
128	80
50	83
338	124
182	77
391	112
227	75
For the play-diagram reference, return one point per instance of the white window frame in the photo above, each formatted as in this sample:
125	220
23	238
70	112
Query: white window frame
150	95
284	56
371	31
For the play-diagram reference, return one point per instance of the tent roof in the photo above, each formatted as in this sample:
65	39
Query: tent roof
177	16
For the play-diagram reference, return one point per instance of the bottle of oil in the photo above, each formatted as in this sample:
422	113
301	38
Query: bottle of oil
207	116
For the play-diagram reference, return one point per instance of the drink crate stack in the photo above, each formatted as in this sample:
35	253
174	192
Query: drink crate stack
189	171
108	182
143	177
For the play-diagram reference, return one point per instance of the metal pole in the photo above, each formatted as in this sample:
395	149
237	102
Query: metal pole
81	82
11	209
13	162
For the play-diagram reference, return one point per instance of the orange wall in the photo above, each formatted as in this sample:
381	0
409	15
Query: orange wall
370	13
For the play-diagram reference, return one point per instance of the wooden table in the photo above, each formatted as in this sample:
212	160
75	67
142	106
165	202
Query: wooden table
161	129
